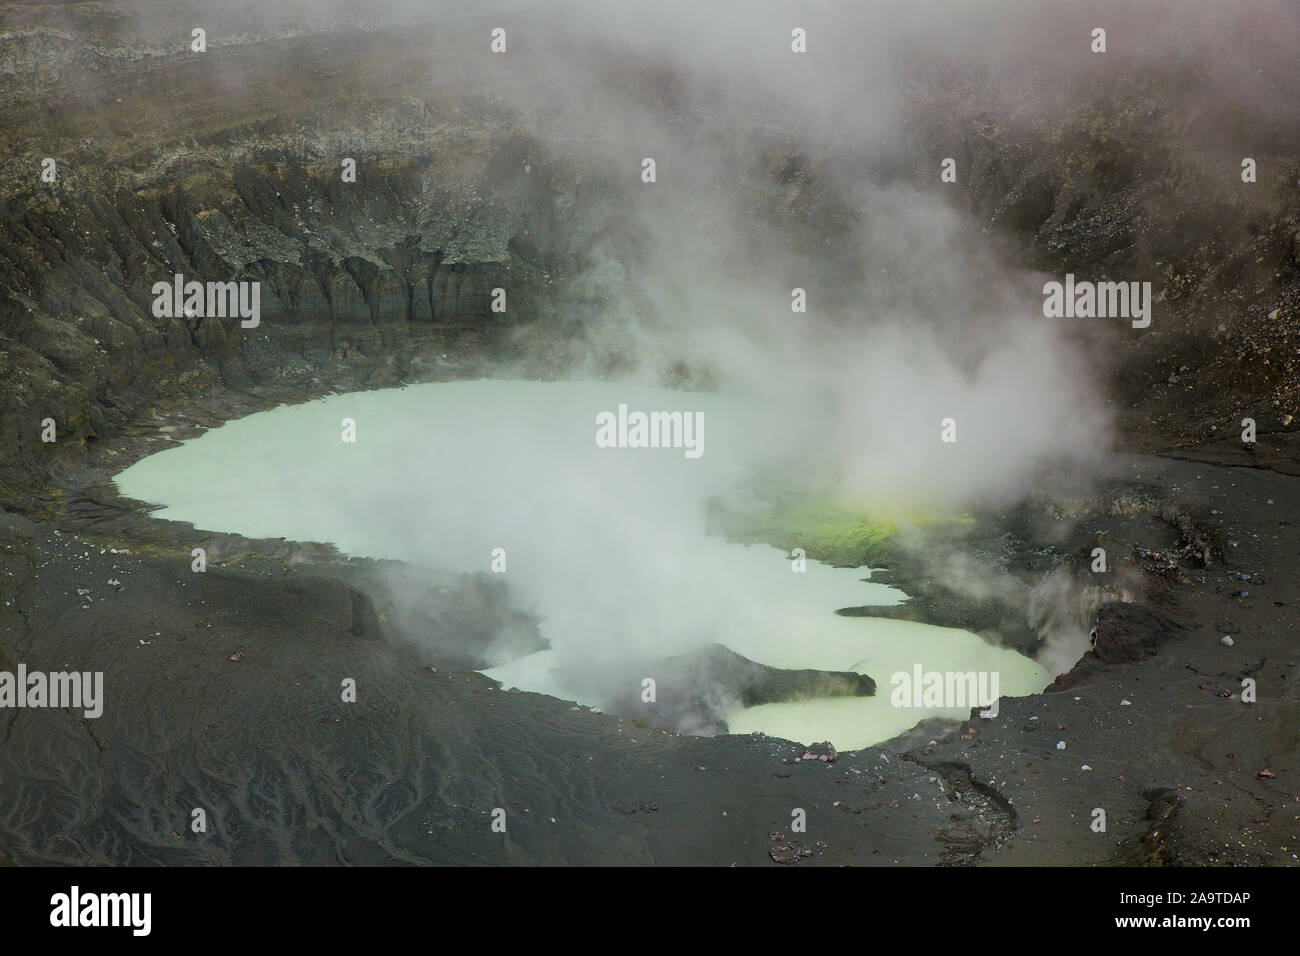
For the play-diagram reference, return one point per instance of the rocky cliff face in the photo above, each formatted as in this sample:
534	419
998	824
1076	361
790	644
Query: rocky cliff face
1139	176
347	278
228	167
362	282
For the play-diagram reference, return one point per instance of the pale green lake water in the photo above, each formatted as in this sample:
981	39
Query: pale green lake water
606	545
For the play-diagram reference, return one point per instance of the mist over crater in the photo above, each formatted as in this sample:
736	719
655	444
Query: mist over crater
749	385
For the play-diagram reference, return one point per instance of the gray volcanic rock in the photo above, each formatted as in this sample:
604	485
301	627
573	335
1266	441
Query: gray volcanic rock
1125	633
695	691
453	620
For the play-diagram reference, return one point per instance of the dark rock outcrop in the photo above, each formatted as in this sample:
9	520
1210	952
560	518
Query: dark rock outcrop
1125	633
695	691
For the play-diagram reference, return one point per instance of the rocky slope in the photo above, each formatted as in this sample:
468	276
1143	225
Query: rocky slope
1129	176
